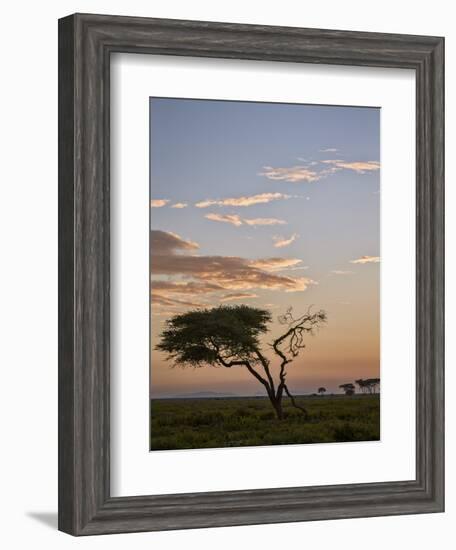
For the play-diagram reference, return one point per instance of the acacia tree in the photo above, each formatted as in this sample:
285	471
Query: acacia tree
362	385
349	389
229	337
372	384
321	391
369	385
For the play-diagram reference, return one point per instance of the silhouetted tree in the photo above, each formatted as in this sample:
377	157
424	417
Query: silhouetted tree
362	385
321	391
229	337
349	389
372	384
369	385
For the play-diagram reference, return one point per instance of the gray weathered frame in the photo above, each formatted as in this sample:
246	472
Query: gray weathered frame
85	45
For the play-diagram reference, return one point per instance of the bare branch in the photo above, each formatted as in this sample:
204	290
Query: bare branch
293	338
293	402
265	363
249	367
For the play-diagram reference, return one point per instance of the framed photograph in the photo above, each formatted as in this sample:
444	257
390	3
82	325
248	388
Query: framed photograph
251	274
234	294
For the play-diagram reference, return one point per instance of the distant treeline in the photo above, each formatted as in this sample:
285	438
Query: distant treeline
369	385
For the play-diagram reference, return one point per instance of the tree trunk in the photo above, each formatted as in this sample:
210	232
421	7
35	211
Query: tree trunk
277	404
276	401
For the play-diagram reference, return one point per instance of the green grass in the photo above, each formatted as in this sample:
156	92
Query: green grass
247	421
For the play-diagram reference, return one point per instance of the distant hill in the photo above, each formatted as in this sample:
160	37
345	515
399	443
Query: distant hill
201	394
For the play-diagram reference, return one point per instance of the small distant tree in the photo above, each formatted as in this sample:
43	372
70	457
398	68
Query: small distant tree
229	337
349	389
372	384
321	391
369	385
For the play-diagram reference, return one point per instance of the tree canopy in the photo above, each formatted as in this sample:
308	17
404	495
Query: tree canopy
221	335
349	388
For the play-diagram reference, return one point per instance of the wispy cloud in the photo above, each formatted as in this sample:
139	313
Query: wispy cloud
236	220
359	167
341	272
313	171
232	273
275	264
262	198
308	162
297	268
159	299
294	174
366	260
174	293
302	283
179	205
233	219
238	296
169	257
328	150
184	288
158	203
165	242
264	221
281	242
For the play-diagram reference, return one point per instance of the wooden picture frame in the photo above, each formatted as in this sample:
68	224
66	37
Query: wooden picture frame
85	45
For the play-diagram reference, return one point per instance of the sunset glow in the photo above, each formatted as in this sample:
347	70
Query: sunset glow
274	206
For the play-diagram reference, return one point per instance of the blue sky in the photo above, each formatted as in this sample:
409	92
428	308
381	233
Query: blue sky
255	181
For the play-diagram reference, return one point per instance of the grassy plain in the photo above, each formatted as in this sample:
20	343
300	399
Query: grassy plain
249	421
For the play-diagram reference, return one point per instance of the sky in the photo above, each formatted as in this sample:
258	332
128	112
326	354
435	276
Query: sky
271	205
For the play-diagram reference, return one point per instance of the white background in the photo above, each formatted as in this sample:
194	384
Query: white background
28	289
135	471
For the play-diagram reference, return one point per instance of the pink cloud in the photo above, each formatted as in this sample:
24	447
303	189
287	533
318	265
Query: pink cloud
158	203
243	201
366	260
281	242
227	272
